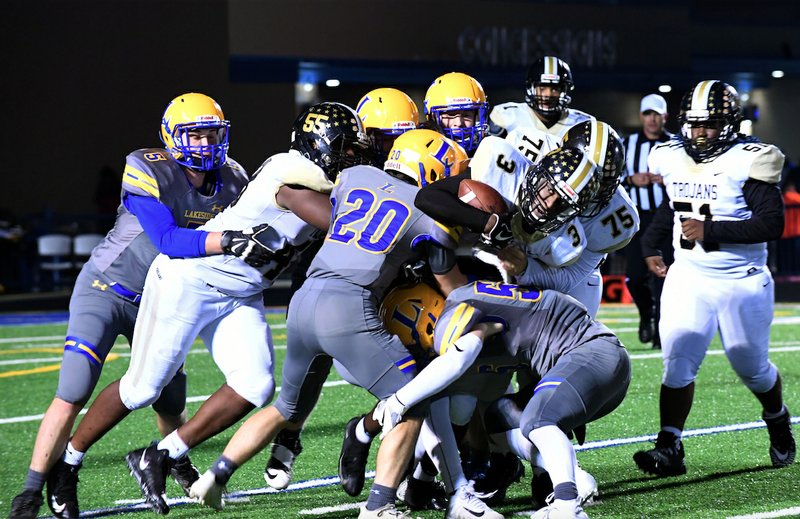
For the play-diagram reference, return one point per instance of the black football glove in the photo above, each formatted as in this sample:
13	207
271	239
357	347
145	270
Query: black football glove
249	245
499	236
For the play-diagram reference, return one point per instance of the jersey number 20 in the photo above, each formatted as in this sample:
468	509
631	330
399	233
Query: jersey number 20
373	225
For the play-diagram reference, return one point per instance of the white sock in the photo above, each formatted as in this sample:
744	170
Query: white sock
72	456
557	453
361	433
173	443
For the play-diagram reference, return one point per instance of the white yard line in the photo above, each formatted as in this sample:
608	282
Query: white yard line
786	512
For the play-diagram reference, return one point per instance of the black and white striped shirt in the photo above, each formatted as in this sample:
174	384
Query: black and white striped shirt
637	148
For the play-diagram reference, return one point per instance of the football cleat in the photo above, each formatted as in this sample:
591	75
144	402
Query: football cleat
207	491
353	460
782	448
465	505
424	495
285	449
666	459
385	512
26	505
560	509
150	466
62	490
504	469
542	487
184	473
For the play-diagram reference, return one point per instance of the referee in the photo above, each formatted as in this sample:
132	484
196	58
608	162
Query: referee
647	191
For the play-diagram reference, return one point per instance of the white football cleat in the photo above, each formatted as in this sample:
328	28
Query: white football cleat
385	512
560	509
207	491
464	505
587	486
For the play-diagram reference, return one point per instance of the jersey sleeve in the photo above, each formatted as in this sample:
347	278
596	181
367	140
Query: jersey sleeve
290	169
561	248
453	323
563	279
139	177
767	166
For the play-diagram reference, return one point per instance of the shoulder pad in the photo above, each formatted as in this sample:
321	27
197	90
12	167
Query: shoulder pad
289	169
141	171
236	167
767	165
504	114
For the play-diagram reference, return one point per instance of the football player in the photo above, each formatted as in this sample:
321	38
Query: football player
386	113
220	298
582	368
548	89
166	194
455	105
724	205
375	229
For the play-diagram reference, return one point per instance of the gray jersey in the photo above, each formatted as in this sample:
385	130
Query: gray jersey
126	252
375	230
541	326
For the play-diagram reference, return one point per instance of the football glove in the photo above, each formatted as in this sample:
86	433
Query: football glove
500	235
248	244
389	413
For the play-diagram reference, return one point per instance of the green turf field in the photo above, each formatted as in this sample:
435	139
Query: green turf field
729	472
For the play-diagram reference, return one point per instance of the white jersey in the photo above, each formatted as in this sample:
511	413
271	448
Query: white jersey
614	226
713	191
513	116
500	164
257	205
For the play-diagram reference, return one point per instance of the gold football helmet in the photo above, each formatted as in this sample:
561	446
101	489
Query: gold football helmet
387	113
457	92
411	313
191	113
424	156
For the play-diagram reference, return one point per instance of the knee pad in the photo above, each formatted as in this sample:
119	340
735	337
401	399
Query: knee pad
136	396
679	372
461	408
256	390
502	415
173	397
756	372
78	377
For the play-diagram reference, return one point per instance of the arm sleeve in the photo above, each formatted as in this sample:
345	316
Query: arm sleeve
441	259
563	279
159	225
442	371
658	231
765	224
439	200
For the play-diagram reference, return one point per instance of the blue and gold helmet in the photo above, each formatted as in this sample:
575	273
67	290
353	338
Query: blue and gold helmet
424	156
458	92
192	113
411	313
386	114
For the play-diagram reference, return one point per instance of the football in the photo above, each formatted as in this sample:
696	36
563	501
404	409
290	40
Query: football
481	196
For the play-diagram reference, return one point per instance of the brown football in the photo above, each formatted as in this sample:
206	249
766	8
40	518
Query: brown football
481	196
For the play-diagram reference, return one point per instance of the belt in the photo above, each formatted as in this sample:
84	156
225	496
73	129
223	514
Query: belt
131	296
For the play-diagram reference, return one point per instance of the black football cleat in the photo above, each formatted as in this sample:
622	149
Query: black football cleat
62	490
425	495
646	330
150	466
782	448
666	459
26	505
184	473
286	447
353	459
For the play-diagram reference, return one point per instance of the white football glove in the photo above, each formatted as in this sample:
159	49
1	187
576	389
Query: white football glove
492	259
207	491
249	244
389	413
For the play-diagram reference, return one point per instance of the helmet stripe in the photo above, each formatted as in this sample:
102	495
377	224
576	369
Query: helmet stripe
700	95
582	175
599	141
550	65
